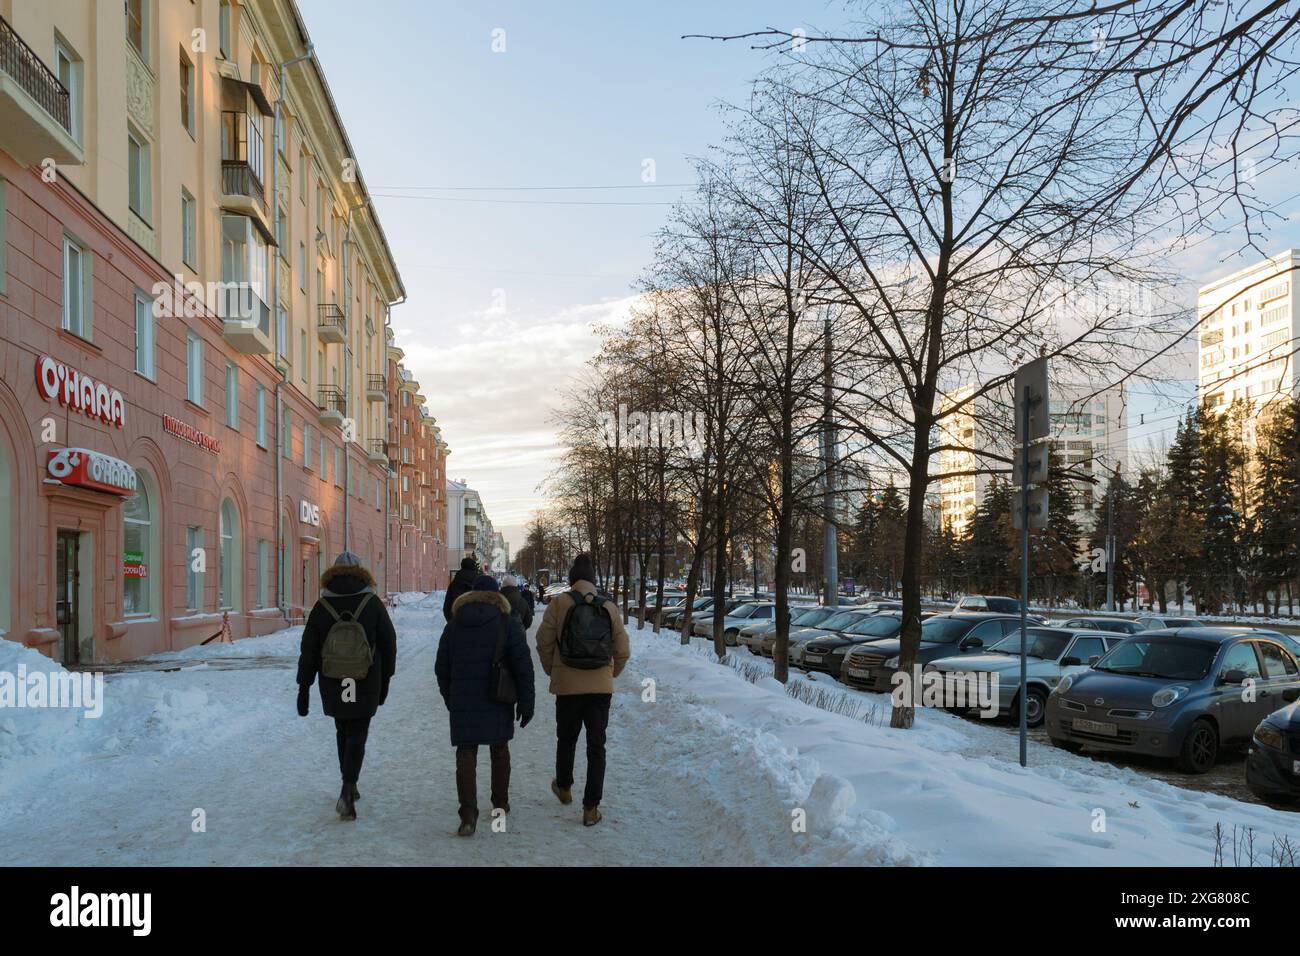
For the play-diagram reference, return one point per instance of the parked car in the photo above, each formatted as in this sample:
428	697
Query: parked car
1114	625
1178	693
986	602
1051	653
826	654
734	620
1273	763
875	607
1154	622
833	624
944	635
751	635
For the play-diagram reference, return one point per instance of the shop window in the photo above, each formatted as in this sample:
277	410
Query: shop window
228	558
137	550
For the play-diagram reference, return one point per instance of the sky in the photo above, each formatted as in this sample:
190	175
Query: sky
505	284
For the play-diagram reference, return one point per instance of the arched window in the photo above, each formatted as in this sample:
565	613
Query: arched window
229	555
137	550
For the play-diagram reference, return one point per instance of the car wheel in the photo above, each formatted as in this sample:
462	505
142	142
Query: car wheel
1037	708
730	638
1200	748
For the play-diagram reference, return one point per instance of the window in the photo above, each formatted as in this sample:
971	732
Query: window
76	288
281	225
232	396
194	368
324	462
137	550
302	267
306	445
187	93
1277	663
302	354
228	557
1241	657
137	30
263	572
261	416
338	468
286	434
189	229
193	578
302	176
1086	648
144	335
137	172
69	67
223	29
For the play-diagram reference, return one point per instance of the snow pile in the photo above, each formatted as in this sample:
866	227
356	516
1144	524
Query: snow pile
947	791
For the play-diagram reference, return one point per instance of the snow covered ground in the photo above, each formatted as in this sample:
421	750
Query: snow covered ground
705	767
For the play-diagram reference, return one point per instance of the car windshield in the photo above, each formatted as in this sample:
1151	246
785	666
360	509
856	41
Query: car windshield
876	626
1168	658
1003	605
1043	644
743	611
808	618
945	630
701	602
839	621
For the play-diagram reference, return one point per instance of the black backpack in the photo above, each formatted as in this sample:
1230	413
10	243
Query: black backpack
587	637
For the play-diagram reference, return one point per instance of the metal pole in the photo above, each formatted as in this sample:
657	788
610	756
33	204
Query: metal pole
1024	579
828	450
1110	542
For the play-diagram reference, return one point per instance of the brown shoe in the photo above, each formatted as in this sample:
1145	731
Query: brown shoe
563	793
590	816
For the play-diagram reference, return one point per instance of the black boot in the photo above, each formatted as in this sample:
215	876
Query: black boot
346	808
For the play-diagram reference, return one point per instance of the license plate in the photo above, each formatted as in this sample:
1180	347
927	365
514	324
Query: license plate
858	672
1295	767
1097	727
813	658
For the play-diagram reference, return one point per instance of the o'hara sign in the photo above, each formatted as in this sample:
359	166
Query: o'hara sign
57	381
91	469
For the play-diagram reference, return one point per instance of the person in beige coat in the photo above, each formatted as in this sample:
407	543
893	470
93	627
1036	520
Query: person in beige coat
582	694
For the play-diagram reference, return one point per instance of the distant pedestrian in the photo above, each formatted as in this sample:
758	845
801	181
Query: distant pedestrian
529	598
350	643
461	581
481	640
583	646
518	606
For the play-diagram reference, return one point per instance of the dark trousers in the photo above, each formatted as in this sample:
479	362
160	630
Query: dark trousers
573	713
467	782
351	733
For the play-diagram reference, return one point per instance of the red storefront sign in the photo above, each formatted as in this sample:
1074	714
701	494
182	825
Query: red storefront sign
91	469
187	432
55	380
134	570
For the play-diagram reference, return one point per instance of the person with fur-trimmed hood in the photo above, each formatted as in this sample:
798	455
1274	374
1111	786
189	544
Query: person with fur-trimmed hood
348	594
461	581
481	623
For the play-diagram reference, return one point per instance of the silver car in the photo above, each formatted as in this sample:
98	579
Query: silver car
1052	652
751	635
734	621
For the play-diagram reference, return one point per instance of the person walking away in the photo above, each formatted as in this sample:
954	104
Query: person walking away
349	642
518	606
481	640
461	581
583	646
527	593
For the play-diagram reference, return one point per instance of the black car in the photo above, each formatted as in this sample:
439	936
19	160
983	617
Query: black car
1158	622
1114	625
826	654
1273	763
943	635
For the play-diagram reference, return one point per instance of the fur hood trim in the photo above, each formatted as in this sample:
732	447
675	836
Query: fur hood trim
338	570
495	598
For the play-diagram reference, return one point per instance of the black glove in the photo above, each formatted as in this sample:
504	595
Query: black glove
524	716
302	699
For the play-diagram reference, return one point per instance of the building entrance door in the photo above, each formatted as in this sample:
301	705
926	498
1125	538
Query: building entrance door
67	607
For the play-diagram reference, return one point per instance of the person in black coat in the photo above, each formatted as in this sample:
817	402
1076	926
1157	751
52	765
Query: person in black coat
519	608
461	581
480	620
347	586
530	599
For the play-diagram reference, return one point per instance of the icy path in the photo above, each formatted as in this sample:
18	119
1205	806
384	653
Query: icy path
228	742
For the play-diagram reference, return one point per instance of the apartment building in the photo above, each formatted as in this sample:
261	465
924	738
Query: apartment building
469	529
194	298
1248	334
1089	434
417	513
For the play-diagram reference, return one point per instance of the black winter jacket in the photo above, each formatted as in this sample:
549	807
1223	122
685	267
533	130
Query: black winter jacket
462	582
519	608
464	669
345	587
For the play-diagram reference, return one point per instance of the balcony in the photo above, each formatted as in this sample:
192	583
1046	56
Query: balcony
378	450
376	388
243	152
245	318
239	182
330	324
35	108
333	406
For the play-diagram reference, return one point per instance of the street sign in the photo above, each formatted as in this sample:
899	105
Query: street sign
1039	456
1031	385
1037	509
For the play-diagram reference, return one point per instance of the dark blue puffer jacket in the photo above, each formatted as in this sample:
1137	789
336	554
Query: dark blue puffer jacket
464	669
